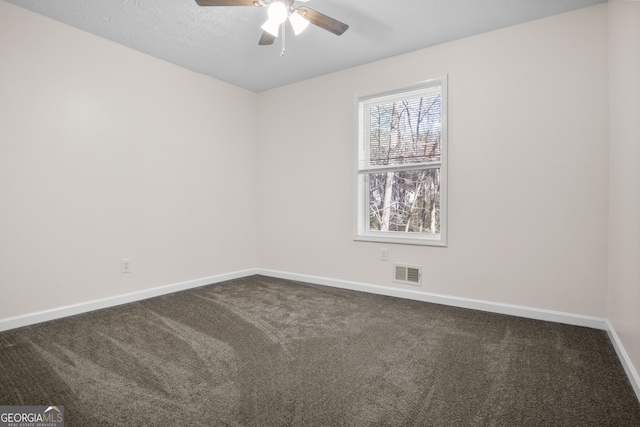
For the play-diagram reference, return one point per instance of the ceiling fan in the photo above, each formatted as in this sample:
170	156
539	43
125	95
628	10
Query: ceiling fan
279	11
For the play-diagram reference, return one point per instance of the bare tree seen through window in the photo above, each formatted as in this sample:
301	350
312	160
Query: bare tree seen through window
404	133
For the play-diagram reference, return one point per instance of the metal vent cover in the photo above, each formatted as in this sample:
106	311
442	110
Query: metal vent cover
407	274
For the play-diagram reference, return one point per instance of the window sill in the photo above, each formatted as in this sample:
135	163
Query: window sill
403	239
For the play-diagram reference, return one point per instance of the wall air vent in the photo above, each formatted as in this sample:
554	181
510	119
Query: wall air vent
407	274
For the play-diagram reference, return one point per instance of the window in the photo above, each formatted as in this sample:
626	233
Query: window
401	170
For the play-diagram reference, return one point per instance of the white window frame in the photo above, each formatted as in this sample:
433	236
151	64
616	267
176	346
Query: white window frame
362	169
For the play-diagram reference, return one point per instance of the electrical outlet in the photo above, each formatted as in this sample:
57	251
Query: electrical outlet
125	265
384	254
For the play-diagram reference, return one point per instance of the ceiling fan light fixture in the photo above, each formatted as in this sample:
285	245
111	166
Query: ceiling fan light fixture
277	12
298	22
272	27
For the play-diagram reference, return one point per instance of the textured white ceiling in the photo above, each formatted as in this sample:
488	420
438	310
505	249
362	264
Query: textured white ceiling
223	41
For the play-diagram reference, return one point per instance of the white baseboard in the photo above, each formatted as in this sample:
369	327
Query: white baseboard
492	307
632	374
70	310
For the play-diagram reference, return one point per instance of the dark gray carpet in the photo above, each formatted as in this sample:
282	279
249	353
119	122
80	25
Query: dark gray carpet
267	352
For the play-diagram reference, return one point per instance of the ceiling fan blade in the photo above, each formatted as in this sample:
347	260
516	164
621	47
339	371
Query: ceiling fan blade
323	21
228	2
266	39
